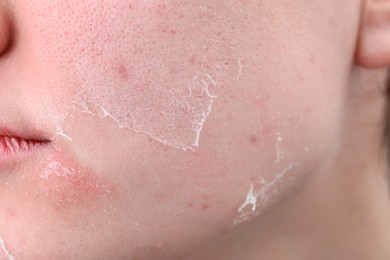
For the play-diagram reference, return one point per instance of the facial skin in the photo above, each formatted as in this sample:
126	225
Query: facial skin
252	97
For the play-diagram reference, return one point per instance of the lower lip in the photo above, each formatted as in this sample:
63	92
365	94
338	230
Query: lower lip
13	147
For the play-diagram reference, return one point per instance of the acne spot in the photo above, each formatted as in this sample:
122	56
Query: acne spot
253	139
123	72
202	203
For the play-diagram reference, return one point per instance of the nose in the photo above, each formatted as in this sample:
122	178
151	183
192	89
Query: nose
5	30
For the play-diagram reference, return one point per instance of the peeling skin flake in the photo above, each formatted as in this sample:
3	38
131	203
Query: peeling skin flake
251	199
60	130
257	199
4	250
173	115
279	151
240	68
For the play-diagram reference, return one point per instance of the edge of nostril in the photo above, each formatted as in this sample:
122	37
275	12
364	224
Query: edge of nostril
5	30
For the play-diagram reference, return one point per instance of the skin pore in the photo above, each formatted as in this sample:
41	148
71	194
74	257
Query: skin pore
194	129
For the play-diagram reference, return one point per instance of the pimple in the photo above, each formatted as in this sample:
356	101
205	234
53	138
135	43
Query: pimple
123	72
205	206
253	139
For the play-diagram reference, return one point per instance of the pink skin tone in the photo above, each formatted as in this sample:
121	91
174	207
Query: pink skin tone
276	91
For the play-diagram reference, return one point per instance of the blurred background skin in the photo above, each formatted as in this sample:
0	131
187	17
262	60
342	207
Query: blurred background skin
289	164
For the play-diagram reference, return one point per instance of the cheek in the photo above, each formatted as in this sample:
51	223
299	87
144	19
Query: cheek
139	64
58	184
215	83
65	184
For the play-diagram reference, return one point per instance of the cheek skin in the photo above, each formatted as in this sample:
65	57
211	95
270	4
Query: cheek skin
65	184
54	195
146	74
154	53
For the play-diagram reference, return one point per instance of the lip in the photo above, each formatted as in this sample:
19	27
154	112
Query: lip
16	143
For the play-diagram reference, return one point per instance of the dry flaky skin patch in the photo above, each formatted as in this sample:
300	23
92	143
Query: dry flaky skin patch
173	115
262	191
260	195
4	252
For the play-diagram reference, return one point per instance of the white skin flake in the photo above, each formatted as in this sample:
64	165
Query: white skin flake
259	195
279	151
240	67
173	115
60	130
4	250
251	199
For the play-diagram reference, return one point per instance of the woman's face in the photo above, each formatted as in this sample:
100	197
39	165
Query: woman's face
170	122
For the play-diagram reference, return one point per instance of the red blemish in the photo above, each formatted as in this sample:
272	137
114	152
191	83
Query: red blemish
192	60
190	204
123	72
205	206
253	139
133	5
67	184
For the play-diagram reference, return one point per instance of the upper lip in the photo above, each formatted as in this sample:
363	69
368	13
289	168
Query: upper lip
29	134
